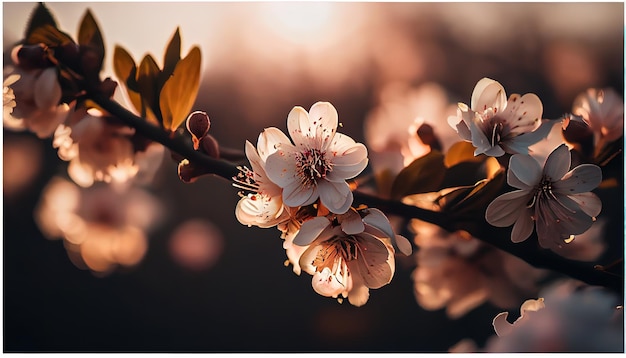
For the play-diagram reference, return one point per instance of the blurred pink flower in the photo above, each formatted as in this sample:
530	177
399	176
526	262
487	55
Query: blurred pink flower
101	227
319	162
569	318
459	273
555	200
496	126
603	111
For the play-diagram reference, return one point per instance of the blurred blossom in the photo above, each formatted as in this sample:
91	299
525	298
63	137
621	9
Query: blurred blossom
96	149
22	162
603	111
496	126
459	273
391	127
555	200
196	244
36	94
8	97
576	318
104	226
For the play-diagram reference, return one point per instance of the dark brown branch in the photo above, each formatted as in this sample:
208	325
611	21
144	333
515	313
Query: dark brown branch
497	237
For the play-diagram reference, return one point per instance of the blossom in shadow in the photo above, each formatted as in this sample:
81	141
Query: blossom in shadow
554	199
603	111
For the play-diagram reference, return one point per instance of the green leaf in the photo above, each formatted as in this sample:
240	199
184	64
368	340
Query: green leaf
147	81
171	58
89	35
423	175
180	90
41	16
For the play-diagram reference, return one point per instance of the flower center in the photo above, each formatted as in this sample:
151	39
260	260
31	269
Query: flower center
543	189
311	166
336	250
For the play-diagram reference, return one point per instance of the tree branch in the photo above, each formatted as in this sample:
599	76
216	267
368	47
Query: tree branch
494	236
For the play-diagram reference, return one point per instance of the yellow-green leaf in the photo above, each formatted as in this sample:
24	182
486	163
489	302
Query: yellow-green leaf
180	90
423	175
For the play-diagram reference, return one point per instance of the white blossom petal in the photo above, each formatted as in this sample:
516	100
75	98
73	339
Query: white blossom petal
506	208
310	230
295	195
523	114
588	202
281	166
47	90
268	141
524	172
523	227
337	197
488	94
558	163
583	178
351	223
374	267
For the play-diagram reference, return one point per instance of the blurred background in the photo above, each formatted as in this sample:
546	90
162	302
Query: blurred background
199	280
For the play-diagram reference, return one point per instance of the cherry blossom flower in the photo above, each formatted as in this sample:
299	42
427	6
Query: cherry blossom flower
8	97
603	111
569	317
458	273
96	149
319	162
36	94
555	200
496	126
349	254
263	206
102	227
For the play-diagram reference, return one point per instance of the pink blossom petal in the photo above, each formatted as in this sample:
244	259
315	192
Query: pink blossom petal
296	194
520	143
523	114
281	167
457	123
341	143
372	266
323	121
557	163
524	172
555	222
488	94
583	178
47	91
588	202
308	258
523	227
351	223
327	284
337	197
268	141
380	222
501	325
310	230
298	126
253	158
359	294
506	208
340	173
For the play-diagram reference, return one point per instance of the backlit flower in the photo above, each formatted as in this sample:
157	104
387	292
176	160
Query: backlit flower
349	254
8	97
319	162
496	126
603	111
263	205
555	200
96	149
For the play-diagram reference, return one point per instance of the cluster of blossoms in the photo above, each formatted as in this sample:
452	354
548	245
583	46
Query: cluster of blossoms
301	188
